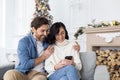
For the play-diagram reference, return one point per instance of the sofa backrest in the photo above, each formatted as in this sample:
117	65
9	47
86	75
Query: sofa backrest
88	60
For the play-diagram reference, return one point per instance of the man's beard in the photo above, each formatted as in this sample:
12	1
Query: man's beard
42	39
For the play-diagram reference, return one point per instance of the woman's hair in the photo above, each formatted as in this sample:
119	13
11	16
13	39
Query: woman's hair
39	21
54	30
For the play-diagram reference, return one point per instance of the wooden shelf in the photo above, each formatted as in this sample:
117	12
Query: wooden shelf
102	29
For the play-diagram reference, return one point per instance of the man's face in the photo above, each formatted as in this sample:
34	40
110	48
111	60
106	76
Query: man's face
41	32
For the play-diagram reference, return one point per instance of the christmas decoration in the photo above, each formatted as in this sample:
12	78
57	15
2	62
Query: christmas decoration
79	32
42	9
97	25
104	24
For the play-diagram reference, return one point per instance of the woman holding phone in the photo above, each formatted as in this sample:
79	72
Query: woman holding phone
65	62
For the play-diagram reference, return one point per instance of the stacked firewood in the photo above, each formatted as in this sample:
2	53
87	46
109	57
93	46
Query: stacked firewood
110	58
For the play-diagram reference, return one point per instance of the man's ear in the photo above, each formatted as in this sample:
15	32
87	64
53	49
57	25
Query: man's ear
33	29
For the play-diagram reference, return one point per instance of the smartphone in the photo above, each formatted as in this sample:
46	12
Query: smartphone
68	57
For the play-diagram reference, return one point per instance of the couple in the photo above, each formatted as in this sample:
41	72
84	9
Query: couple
37	53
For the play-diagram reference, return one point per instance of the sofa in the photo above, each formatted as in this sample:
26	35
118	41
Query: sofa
89	69
4	68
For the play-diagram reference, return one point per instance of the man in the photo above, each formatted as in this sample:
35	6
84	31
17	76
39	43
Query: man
31	53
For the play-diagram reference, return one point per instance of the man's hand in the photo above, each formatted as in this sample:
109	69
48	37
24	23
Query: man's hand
77	46
45	55
48	51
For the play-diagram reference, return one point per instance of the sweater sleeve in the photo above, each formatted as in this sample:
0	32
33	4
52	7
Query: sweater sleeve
77	59
49	64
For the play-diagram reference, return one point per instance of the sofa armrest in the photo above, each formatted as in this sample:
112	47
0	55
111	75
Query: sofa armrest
88	60
101	73
3	69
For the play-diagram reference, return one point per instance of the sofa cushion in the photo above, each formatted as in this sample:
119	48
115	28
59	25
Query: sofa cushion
88	60
101	70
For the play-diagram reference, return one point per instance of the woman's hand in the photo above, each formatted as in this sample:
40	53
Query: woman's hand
69	62
77	46
59	65
63	63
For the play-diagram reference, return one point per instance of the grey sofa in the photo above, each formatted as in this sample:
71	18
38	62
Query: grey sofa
89	69
4	68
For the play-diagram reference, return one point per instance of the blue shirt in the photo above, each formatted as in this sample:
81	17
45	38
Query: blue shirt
27	52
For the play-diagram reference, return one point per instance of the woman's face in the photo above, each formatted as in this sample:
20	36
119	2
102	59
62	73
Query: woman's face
60	37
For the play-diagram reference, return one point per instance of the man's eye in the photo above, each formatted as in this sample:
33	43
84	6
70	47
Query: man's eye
42	31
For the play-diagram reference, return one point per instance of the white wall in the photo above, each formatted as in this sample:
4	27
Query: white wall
75	13
18	17
2	42
15	18
105	10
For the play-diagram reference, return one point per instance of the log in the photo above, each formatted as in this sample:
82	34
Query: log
110	58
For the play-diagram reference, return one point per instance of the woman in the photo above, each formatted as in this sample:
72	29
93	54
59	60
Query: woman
58	65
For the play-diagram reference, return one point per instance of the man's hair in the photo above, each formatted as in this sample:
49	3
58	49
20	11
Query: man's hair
38	22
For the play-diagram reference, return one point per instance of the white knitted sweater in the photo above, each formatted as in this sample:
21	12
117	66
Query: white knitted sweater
60	51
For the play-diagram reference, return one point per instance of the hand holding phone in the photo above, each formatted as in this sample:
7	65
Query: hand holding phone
68	57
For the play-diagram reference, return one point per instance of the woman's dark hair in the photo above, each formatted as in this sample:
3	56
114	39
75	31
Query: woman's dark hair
39	21
54	30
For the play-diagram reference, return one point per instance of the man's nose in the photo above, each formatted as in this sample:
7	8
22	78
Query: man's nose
45	33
